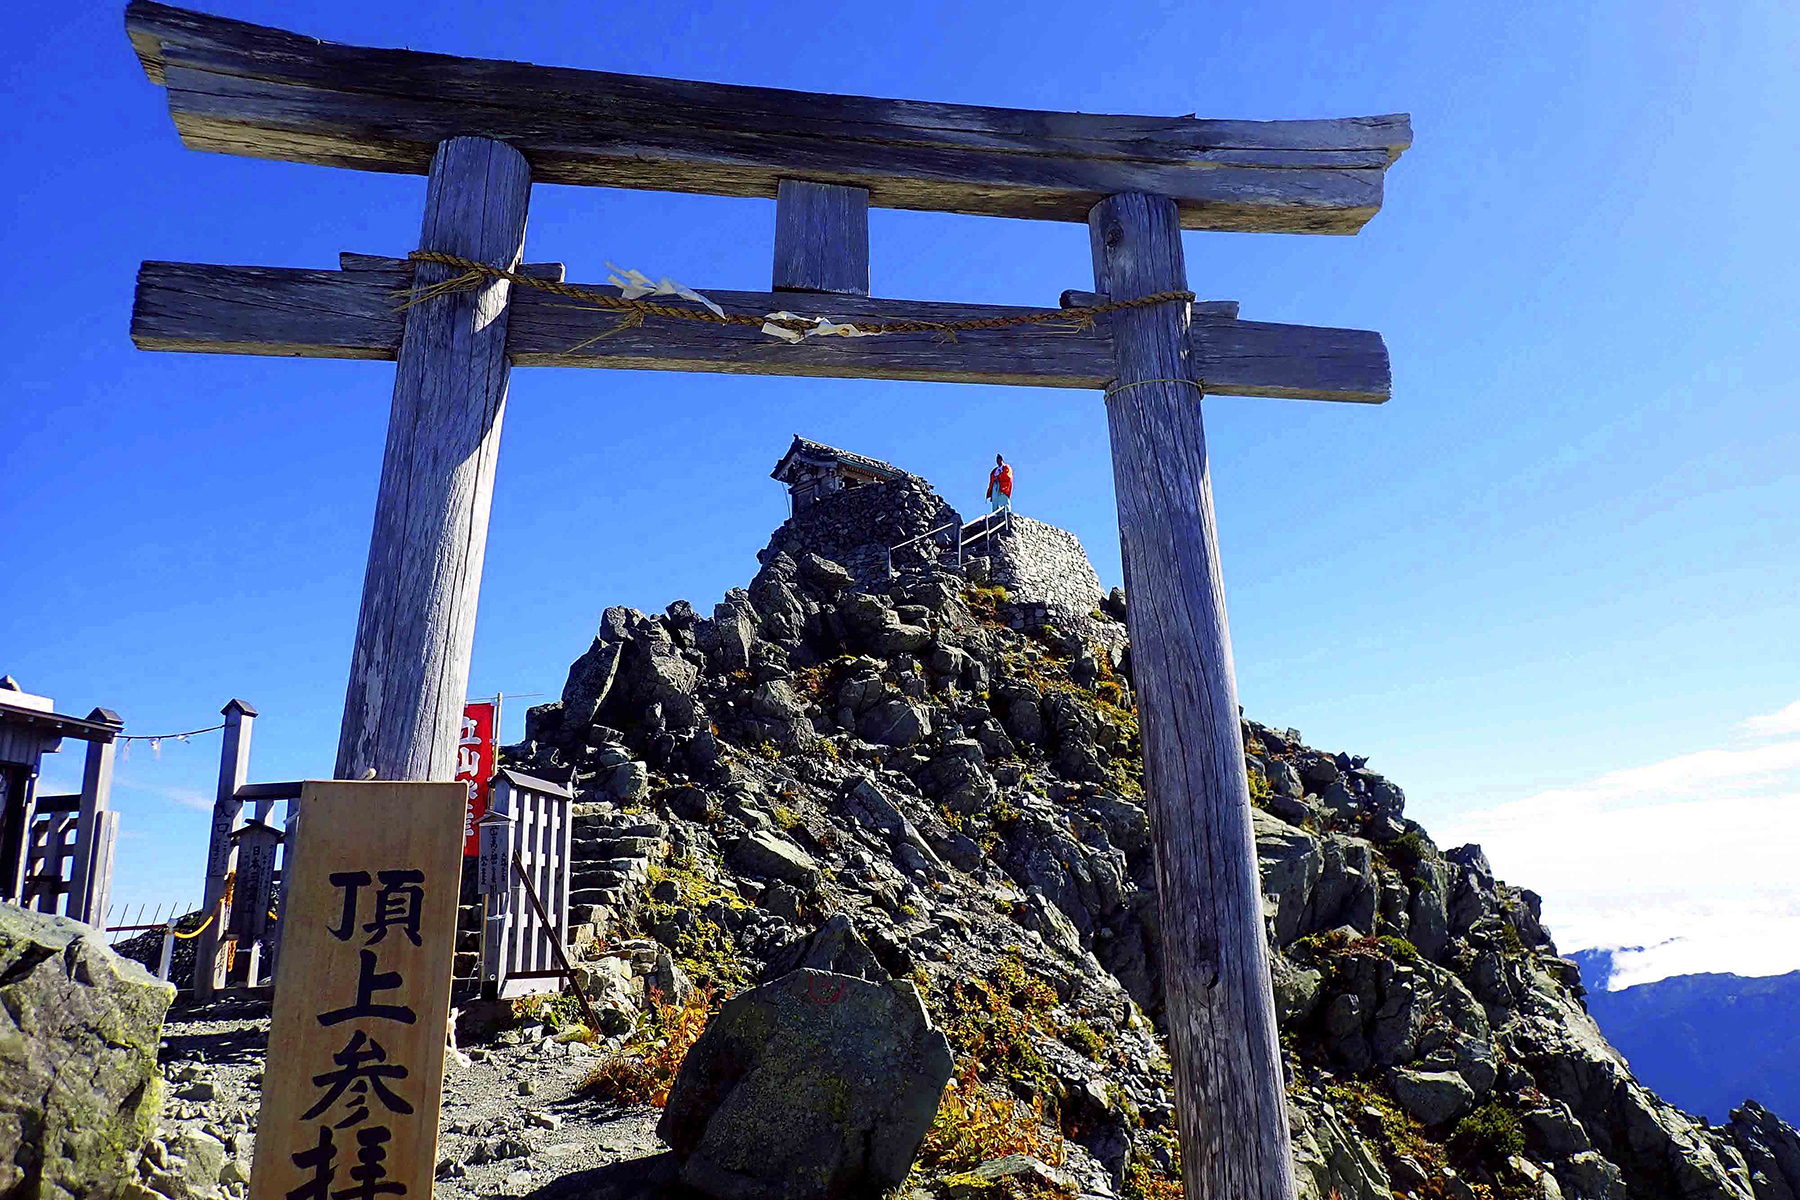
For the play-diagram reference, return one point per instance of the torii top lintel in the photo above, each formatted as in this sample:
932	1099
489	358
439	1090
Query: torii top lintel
246	89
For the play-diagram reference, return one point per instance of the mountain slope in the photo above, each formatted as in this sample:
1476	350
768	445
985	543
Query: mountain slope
928	778
1707	1041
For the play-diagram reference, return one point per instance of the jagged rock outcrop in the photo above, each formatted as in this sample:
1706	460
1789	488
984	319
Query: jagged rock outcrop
926	769
79	1088
1771	1150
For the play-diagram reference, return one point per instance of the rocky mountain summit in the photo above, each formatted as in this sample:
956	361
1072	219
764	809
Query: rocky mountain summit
916	802
952	773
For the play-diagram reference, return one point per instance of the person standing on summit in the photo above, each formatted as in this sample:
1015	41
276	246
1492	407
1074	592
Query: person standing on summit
999	491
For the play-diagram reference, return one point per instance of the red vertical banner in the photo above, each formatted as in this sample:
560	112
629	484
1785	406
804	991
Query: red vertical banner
475	761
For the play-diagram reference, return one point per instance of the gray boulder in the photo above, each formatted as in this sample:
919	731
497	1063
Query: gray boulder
897	637
79	1088
1285	780
1032	1175
767	853
894	722
1332	1158
1435	1097
1771	1150
813	1087
628	781
1020	708
870	807
193	1163
589	685
829	577
775	701
833	947
663	677
956	775
669	979
726	639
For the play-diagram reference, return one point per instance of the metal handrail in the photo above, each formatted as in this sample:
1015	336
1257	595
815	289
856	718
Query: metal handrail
928	533
962	528
987	531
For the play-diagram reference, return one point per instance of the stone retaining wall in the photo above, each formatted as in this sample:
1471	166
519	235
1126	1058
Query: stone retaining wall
856	527
1043	564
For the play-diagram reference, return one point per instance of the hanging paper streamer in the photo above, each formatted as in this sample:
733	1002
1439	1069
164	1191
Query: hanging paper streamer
634	285
815	327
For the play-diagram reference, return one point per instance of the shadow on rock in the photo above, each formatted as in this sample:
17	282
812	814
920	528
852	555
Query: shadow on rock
648	1178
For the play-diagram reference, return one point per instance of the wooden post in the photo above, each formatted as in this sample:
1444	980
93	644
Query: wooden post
1229	1092
821	238
410	668
256	844
234	771
494	882
96	785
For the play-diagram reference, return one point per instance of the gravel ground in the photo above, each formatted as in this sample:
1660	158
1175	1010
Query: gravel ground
512	1124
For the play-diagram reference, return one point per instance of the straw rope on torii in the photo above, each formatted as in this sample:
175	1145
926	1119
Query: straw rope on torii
473	272
482	132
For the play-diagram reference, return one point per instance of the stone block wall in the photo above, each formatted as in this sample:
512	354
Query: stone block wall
855	527
1040	563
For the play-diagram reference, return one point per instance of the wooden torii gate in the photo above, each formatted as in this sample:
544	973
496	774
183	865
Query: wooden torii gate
483	131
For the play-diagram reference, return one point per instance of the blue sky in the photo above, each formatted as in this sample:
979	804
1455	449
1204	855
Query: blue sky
1553	570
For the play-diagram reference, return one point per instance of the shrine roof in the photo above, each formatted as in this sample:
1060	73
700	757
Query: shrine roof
819	452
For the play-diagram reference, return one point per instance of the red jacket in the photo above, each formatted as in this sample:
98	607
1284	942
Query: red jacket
1000	477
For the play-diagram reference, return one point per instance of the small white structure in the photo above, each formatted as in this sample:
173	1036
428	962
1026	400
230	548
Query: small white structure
56	851
523	877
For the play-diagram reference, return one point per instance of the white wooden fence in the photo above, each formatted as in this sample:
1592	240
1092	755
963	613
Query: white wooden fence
68	870
525	844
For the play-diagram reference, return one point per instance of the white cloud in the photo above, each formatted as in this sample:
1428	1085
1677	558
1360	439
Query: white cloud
1690	858
185	797
1775	724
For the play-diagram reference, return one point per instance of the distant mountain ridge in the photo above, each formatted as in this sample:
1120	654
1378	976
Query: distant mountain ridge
1704	1042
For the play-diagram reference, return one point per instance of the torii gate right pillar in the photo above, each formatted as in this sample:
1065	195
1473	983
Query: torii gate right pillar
1229	1094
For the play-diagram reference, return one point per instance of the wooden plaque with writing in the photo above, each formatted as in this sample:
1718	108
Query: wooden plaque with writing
362	993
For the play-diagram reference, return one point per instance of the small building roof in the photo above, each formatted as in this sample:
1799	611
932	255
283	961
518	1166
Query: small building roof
819	452
101	725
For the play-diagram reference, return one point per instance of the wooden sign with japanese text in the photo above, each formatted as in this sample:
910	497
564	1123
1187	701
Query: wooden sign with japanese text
362	993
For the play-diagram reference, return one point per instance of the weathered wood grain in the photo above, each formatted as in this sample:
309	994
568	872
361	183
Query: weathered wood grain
410	667
269	311
333	314
1230	1100
86	879
244	89
365	830
821	238
234	769
349	260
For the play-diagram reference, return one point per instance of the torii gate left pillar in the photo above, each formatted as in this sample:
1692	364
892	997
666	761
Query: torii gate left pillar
409	672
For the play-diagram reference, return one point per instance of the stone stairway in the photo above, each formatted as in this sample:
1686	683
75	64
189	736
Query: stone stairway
609	870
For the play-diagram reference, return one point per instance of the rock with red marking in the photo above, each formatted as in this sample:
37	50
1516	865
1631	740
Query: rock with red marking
812	1087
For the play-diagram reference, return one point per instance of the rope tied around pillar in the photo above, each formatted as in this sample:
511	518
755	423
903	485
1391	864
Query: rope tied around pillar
1110	392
